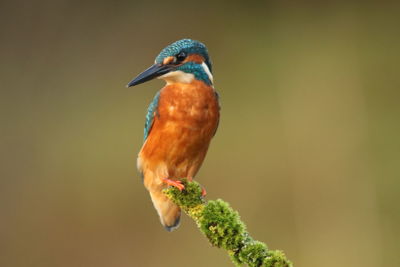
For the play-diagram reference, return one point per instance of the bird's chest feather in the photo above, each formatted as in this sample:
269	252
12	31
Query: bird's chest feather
185	121
190	106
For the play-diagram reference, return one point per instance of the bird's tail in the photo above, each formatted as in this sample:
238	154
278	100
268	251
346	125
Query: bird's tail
169	212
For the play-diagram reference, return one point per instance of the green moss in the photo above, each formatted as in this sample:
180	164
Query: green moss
190	197
223	228
253	253
222	225
276	258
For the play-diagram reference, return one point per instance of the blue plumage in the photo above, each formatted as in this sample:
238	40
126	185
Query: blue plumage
151	111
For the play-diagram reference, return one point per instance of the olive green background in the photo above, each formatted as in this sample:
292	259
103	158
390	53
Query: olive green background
308	147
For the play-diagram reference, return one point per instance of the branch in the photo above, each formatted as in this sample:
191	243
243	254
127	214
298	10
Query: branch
224	229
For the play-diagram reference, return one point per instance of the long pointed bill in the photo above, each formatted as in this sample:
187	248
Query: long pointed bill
153	72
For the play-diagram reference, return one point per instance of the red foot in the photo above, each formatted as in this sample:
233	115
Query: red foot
203	192
175	183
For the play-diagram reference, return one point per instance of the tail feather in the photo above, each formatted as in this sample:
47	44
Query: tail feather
169	212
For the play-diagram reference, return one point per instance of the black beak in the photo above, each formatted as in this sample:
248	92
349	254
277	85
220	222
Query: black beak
153	72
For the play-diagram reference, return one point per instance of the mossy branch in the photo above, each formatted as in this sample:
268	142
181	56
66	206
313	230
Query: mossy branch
224	229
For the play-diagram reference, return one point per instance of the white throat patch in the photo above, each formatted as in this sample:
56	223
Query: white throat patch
177	77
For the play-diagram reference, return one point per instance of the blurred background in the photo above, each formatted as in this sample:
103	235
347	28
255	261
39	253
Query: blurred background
308	148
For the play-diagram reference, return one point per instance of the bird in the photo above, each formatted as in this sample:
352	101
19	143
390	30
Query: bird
180	123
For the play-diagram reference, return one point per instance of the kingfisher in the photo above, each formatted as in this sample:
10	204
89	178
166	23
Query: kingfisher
180	123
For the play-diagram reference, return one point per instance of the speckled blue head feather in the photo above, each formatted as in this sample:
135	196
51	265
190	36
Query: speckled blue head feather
189	47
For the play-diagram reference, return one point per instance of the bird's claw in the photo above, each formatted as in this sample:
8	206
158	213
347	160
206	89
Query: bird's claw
175	183
203	192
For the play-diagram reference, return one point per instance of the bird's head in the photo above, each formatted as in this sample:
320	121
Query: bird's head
180	62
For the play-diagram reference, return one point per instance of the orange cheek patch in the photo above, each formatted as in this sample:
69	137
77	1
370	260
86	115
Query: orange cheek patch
194	58
168	60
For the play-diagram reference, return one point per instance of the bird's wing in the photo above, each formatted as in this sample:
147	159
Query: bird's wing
151	112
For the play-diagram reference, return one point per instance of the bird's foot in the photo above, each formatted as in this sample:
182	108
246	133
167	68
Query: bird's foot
175	183
203	192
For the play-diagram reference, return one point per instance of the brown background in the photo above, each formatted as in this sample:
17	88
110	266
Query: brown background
308	149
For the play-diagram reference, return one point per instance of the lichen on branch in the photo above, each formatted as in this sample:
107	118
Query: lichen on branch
224	228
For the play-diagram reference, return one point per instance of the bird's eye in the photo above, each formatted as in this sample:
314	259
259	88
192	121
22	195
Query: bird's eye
180	57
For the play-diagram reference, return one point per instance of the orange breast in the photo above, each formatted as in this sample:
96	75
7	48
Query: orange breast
187	119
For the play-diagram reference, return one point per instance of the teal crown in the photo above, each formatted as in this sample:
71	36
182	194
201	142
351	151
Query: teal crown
189	47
